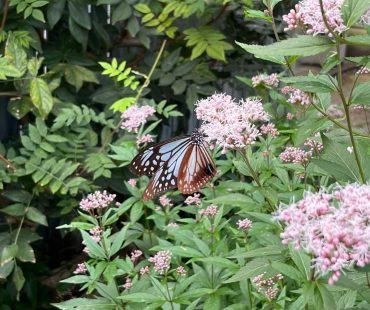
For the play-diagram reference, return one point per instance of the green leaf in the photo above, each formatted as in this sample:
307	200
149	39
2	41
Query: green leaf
235	199
79	279
118	240
359	40
78	11
19	107
18	278
15	54
76	75
133	26
141	297
121	12
79	33
251	269
6	270
17	209
55	11
142	8
8	253
18	196
41	96
8	70
361	94
215	52
183	251
86	304
36	216
34	65
249	13
25	253
122	104
301	260
312	84
260	252
38	15
288	271
95	250
327	297
303	45
352	10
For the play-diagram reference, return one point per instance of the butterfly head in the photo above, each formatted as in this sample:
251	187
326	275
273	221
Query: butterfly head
197	137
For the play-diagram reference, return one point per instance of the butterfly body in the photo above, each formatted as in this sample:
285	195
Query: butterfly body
181	162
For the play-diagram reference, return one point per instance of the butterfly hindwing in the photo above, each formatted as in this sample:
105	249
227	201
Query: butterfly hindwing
196	170
150	160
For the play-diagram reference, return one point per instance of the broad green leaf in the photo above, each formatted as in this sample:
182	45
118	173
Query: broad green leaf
8	70
352	10
25	253
77	75
55	11
118	240
303	45
141	297
15	54
79	33
183	251
251	269
18	278
359	40
121	12
8	253
36	216
6	270
86	304
122	104
38	15
327	297
288	271
249	13
301	260
41	96
260	252
361	94
78	11
142	8
312	84
76	279
18	195
95	250
235	199
17	209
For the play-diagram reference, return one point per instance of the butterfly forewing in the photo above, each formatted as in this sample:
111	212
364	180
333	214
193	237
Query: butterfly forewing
150	160
196	170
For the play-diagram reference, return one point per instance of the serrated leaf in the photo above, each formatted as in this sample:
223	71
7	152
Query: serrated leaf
8	253
36	216
41	96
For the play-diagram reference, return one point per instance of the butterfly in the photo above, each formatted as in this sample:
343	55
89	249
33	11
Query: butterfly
181	162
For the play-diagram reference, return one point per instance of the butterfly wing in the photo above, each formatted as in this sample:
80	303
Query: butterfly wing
166	177
150	160
196	170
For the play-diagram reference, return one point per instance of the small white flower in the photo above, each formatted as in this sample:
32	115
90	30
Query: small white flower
350	149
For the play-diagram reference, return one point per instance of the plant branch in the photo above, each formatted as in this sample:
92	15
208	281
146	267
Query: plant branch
5	15
7	162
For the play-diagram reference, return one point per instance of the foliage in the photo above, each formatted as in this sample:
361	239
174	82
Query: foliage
68	94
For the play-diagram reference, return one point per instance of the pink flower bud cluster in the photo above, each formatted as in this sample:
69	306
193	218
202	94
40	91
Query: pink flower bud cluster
211	211
294	18
132	182
144	139
135	116
296	96
128	284
96	233
333	227
144	270
97	200
161	261
81	268
165	201
172	225
193	200
363	70
181	271
135	255
295	155
313	145
244	224
269	128
228	123
267	286
265	80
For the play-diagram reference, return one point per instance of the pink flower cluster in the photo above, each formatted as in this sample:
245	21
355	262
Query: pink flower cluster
172	225
161	261
244	224
144	270
295	155
81	268
128	284
96	233
135	255
97	200
193	200
265	80
267	286
165	201
296	96
136	116
293	18
333	227
228	123
314	146
132	182
269	128
211	211
181	271
144	140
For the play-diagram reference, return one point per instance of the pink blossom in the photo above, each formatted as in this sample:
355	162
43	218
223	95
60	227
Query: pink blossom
244	224
135	255
295	155
172	225
296	96
81	268
165	201
293	18
211	211
97	200
230	124
136	116
161	261
193	200
96	233
269	129
267	286
363	70
333	227
144	270
181	271
128	284
334	112
314	146
265	80
144	139
132	182
289	116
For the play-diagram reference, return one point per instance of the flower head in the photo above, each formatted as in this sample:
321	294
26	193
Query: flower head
314	146
96	233
161	261
333	227
294	18
193	200
181	271
128	284
136	116
265	80
135	255
81	268
172	225
144	270
210	211
267	286
230	124
97	200
295	155
244	224
269	128
165	201
132	182
144	139
296	96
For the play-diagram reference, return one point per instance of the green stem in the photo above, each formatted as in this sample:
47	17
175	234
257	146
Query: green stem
22	220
